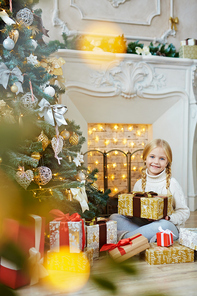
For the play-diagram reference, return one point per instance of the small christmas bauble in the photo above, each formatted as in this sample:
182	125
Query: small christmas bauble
36	155
25	16
14	88
24	178
8	43
44	139
49	90
57	144
28	102
95	186
74	139
42	175
81	176
33	43
65	134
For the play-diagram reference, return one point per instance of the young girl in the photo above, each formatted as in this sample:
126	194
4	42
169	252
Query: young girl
156	176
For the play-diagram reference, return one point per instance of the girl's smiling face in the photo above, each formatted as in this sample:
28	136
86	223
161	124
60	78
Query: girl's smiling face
156	161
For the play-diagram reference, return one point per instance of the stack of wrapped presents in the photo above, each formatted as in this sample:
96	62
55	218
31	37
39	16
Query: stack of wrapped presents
188	49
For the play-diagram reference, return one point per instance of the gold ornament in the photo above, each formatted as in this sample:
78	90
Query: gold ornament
53	65
14	34
74	139
65	134
42	175
81	176
173	22
68	194
14	88
95	186
24	178
36	155
44	139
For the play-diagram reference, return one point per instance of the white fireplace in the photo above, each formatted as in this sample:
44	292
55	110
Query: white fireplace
134	89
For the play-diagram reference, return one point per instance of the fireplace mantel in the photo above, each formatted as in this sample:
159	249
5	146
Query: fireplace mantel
127	88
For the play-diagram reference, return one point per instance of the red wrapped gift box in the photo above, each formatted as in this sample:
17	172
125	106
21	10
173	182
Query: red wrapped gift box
164	237
29	238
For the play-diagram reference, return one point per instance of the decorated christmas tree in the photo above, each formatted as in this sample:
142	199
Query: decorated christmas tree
40	148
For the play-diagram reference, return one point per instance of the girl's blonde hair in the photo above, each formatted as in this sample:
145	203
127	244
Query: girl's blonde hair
148	148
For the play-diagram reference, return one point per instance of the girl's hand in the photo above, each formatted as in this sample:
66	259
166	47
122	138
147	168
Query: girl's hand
167	218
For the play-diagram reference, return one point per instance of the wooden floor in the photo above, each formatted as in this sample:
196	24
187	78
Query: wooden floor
170	279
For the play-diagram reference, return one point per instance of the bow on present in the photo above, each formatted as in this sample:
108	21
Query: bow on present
53	114
35	261
119	245
174	21
5	74
80	195
60	216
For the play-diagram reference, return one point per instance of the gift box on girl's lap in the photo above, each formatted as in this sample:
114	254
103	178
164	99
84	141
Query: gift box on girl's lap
147	205
101	233
66	230
188	237
29	238
176	253
126	248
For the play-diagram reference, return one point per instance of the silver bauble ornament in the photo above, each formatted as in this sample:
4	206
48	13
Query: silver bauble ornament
28	102
42	175
8	43
25	16
49	90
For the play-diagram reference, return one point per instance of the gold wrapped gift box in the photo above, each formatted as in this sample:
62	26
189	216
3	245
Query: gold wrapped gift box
188	51
166	255
138	244
137	205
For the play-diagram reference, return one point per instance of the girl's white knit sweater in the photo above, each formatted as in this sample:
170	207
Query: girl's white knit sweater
158	184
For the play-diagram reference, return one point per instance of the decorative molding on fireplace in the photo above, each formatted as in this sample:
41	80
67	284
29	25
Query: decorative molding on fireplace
129	79
65	28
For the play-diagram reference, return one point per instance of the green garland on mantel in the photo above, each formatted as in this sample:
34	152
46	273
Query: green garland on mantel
130	48
159	50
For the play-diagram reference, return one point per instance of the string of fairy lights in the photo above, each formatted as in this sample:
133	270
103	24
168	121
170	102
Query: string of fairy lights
123	137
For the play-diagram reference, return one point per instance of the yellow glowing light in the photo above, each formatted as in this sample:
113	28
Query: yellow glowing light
123	176
115	189
107	142
125	164
141	156
96	162
89	131
116	152
100	127
138	133
132	144
107	166
114	165
112	177
68	272
130	128
115	127
133	156
96	139
94	129
90	153
143	129
21	115
122	129
143	144
134	168
124	141
115	140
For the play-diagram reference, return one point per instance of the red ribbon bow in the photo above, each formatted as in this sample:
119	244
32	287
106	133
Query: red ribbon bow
60	216
122	242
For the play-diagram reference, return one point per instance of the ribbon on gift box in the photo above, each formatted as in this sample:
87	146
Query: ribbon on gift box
35	261
161	237
60	216
119	245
